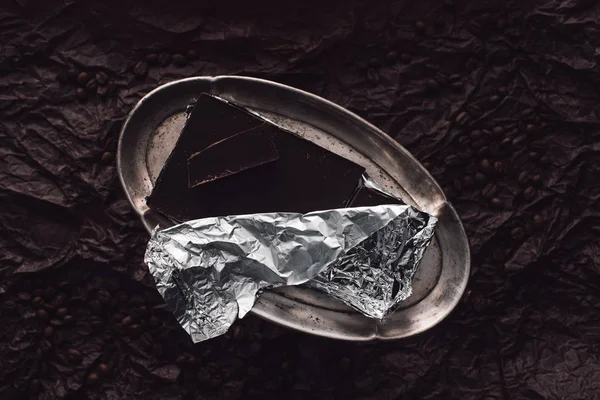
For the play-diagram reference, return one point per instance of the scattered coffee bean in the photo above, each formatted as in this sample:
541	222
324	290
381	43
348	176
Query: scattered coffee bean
480	178
93	378
48	331
499	167
68	319
95	321
107	158
529	193
468	181
483	151
485	165
57	338
104	297
479	143
45	345
530	127
536	180
164	59
43	315
458	185
101	78
38	301
463	140
56	322
391	57
83	78
506	142
180	60
59	299
546	160
141	69
451	160
523	178
191	54
441	78
457	86
538	221
24	296
62	312
494	99
431	85
111	89
534	155
81	94
134	330
405	58
420	27
62	77
151	58
103	369
74	356
497	130
496	203
153	321
372	75
519	140
476	134
147	340
128	320
462	118
373	62
182	360
489	191
72	75
517	234
49	307
9	305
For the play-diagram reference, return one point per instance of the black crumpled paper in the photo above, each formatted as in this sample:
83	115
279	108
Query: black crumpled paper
525	74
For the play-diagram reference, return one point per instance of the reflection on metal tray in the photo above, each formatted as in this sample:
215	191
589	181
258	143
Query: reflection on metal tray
152	129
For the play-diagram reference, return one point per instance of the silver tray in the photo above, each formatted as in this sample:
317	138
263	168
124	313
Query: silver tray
150	133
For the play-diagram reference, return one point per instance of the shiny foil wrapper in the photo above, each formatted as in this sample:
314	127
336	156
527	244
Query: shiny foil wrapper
210	271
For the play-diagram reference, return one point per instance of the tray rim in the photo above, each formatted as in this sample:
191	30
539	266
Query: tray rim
373	130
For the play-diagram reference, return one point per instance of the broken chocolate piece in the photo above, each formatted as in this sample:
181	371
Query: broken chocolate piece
305	178
369	197
243	151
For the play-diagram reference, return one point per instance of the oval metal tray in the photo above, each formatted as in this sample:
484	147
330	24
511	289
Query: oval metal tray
150	133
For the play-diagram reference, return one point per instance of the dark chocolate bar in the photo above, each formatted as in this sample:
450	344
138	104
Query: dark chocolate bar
305	178
244	150
368	197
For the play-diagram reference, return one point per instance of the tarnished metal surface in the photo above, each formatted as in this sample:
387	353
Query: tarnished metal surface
150	134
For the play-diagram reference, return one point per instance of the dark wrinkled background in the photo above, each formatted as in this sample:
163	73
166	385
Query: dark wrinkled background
528	326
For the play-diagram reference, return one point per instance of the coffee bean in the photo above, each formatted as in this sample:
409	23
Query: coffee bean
57	338
517	234
74	356
431	85
142	311
140	69
95	321
420	27
462	118
476	134
499	167
457	185
457	86
191	55
147	340
489	191
530	127
103	369
83	78
48	331
483	151
536	180
372	75
62	312
494	99
43	315
538	221
45	345
153	321
134	330
451	160
506	142
496	203
68	319
111	89
101	78
519	140
49	307
405	58
546	160
164	59
107	158
534	155
56	322
479	143
151	58
391	57
373	62
92	378
182	360
203	376
463	140
128	320
137	300
81	94
529	193
102	91
485	165
38	301
497	130
24	296
465	154
62	77
480	178
468	181
441	78
104	297
9	305
180	60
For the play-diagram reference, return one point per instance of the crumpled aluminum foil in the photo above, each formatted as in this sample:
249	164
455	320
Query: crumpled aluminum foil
210	271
